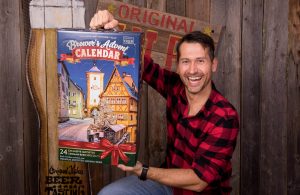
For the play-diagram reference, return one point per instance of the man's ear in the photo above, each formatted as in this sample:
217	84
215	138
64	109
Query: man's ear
214	65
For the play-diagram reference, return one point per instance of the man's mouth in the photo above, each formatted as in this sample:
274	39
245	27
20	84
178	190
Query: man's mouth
194	78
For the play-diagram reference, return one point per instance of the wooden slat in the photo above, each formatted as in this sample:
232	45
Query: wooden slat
274	99
198	9
31	129
252	38
176	7
250	119
139	3
293	95
11	119
228	77
36	66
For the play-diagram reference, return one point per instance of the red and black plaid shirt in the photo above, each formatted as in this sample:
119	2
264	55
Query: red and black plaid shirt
204	142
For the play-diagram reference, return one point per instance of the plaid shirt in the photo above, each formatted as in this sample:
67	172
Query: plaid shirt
204	142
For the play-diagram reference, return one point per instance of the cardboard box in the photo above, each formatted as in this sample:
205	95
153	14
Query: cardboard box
98	86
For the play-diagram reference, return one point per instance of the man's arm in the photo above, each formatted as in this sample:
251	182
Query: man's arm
180	178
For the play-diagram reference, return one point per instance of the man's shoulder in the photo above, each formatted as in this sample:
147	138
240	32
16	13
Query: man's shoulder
222	107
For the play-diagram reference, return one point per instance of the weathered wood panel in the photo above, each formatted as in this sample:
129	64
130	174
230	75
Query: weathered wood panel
11	91
176	7
293	100
252	49
193	8
274	99
34	59
228	75
30	126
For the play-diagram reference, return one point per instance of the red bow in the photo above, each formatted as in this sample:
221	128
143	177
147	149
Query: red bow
116	151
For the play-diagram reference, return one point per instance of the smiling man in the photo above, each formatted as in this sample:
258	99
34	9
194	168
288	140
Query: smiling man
202	125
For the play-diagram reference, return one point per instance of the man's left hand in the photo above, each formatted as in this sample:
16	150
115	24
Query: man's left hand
137	169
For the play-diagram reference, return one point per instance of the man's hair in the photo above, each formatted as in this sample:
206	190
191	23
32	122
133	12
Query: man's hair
197	37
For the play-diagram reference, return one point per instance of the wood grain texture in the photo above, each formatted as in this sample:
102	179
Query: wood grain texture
252	49
198	9
30	127
11	91
293	100
35	66
228	75
273	99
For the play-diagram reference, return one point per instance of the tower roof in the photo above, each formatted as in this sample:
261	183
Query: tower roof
94	69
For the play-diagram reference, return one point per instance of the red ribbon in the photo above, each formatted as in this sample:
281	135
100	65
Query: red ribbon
116	151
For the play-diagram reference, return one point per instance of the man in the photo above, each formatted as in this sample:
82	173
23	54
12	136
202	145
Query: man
202	125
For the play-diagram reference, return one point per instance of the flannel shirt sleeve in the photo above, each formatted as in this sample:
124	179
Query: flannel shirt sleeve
214	153
156	76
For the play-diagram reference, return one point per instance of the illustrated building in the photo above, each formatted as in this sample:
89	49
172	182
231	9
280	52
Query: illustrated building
114	132
76	101
121	95
95	82
63	91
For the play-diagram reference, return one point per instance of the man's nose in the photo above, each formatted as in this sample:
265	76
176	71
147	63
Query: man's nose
193	67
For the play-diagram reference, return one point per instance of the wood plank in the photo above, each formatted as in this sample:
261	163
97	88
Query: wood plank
252	41
274	99
198	9
293	99
36	66
228	77
139	3
30	127
57	14
11	122
176	7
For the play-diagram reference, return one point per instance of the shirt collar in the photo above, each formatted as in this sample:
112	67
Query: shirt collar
208	104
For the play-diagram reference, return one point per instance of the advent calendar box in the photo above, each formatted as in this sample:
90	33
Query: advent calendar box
98	87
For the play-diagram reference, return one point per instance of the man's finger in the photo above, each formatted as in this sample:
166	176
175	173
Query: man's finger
125	168
114	23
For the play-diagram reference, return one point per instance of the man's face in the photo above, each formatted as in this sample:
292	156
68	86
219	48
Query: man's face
195	67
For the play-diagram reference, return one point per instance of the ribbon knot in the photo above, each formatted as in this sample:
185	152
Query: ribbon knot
116	151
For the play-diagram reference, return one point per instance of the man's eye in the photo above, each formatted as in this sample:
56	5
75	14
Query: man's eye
200	61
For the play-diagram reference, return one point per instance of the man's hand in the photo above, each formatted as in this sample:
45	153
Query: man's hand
137	169
103	19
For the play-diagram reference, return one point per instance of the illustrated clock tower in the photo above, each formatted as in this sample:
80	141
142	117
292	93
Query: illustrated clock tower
94	82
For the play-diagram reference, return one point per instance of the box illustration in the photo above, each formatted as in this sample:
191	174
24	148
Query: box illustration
98	87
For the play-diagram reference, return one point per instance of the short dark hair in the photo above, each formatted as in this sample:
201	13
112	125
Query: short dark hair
197	37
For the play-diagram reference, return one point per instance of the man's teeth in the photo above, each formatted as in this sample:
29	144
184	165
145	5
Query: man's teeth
194	78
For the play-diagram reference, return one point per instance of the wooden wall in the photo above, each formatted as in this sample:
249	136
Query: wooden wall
259	55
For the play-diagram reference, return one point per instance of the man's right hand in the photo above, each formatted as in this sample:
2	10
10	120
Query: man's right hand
103	19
